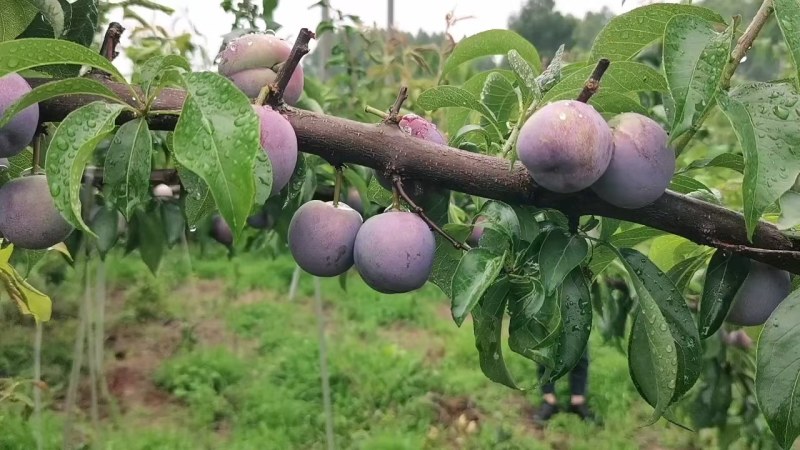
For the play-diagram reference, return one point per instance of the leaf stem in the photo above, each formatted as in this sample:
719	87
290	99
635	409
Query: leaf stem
397	184
373	110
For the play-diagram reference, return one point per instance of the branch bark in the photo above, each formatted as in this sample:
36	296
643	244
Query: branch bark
379	146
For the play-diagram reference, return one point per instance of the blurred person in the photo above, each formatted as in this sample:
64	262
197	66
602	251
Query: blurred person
578	382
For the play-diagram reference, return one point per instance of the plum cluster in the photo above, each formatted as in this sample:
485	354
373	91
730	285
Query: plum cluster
28	216
567	146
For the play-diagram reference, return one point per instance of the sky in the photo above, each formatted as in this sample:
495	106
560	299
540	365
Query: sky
410	15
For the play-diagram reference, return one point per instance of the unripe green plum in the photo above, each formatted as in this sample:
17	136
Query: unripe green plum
252	61
394	252
642	164
28	215
566	146
221	231
279	141
764	288
321	237
19	132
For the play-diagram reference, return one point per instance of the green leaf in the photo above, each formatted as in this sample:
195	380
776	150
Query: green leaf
667	317
452	96
57	88
731	161
446	257
490	43
778	369
525	74
695	56
127	166
790	210
262	179
552	74
104	224
613	103
627	34
52	11
72	145
528	226
174	222
217	138
501	217
681	273
763	116
150	230
15	18
198	201
685	184
714	396
788	14
535	318
458	117
576	315
621	77
22	54
558	255
487	318
477	270
154	68
602	256
726	273
501	98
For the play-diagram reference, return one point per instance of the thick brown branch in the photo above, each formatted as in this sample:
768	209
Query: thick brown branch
378	147
593	83
299	50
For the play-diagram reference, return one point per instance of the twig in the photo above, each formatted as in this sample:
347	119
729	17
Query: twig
402	96
593	83
111	40
747	250
397	181
299	50
37	152
373	110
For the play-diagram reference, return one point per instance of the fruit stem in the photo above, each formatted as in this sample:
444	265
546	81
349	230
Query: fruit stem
397	184
402	96
337	186
37	150
376	111
753	251
262	95
593	83
299	50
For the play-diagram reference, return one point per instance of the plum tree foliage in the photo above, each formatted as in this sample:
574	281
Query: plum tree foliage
613	218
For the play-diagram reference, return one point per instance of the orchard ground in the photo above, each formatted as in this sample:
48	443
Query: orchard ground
223	359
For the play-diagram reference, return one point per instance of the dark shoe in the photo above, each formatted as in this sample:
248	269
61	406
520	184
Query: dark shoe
583	412
545	412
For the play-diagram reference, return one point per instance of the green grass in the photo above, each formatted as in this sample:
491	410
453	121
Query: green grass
401	372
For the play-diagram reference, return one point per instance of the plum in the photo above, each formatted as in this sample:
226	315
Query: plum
162	191
353	199
28	215
642	164
221	231
19	132
394	252
477	231
261	220
421	128
762	291
566	146
252	61
321	237
279	141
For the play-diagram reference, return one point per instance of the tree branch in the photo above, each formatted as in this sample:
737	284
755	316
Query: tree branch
397	181
378	147
394	112
299	50
593	83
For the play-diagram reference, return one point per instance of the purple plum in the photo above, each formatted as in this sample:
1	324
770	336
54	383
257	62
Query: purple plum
19	132
28	215
321	237
279	141
764	288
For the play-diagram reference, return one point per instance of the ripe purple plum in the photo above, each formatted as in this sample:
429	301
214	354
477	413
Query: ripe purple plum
261	220
252	61
19	132
279	141
28	215
477	231
764	288
642	164
221	231
322	236
354	200
566	146
394	252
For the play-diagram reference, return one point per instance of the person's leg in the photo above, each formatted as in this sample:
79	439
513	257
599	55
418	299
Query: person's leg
578	382
549	406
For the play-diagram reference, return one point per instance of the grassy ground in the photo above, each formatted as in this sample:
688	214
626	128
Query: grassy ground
223	359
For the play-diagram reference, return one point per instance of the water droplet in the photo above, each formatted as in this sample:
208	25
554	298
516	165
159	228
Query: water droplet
780	112
663	327
12	62
672	384
562	116
669	348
